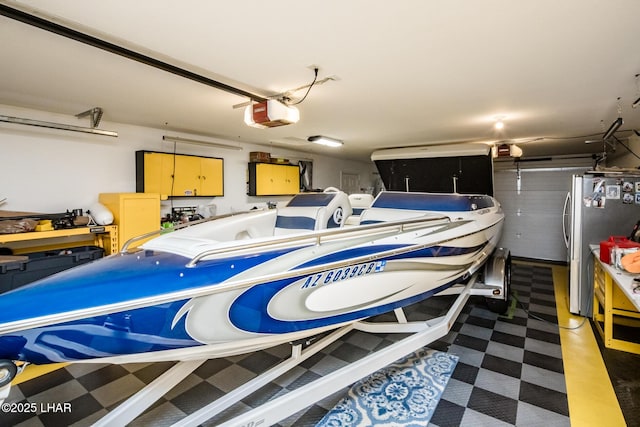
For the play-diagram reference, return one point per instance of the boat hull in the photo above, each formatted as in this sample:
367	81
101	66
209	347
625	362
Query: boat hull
242	302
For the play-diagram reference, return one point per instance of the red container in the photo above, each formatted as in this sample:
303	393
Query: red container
607	245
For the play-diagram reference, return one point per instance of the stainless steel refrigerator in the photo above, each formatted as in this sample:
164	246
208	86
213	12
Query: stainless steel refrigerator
598	206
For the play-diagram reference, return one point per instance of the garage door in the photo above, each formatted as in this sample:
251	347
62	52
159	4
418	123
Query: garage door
532	194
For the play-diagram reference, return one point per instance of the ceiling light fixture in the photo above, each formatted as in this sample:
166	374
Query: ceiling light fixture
270	113
323	140
499	124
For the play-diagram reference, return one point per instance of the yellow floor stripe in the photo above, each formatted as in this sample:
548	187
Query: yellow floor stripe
592	400
34	371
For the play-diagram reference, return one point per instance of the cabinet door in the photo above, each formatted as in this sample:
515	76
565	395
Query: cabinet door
134	214
211	177
286	179
158	173
166	174
292	179
138	216
152	172
265	183
187	176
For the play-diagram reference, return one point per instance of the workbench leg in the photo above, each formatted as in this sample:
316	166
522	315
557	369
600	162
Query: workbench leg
608	310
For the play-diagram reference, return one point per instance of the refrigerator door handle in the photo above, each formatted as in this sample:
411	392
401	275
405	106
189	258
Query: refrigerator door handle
565	216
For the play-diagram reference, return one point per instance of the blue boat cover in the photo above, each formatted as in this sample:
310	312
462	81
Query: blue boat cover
432	201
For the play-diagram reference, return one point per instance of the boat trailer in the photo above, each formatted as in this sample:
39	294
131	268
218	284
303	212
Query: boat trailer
494	287
496	275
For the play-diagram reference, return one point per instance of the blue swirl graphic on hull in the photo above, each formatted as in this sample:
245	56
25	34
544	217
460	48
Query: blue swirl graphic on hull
136	331
249	312
250	315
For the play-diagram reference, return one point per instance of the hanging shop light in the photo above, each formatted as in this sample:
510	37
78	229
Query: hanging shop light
324	140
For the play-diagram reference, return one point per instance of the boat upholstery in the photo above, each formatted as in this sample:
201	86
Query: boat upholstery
313	212
192	240
360	202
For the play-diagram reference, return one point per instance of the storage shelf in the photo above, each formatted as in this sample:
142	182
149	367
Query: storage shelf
105	237
613	304
135	214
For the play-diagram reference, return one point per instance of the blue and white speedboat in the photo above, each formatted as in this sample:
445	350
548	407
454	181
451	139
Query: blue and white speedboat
249	281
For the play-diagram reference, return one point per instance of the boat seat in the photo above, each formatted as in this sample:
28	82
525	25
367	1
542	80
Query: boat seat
313	211
360	202
336	212
296	219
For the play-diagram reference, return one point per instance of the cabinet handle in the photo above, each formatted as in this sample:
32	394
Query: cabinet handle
204	177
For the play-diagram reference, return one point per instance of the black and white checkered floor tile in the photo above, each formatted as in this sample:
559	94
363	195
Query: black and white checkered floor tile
510	372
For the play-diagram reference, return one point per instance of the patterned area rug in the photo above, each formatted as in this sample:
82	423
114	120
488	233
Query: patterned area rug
402	394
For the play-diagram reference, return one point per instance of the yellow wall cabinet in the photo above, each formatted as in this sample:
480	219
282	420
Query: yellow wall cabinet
134	214
179	175
271	179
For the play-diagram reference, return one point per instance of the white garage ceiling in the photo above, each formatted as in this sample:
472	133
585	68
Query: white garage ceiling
402	73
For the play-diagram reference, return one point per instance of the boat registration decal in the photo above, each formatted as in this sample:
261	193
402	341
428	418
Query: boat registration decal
339	274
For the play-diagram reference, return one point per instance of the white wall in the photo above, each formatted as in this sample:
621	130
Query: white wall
49	171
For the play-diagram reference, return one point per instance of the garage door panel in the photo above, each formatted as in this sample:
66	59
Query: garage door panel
533	215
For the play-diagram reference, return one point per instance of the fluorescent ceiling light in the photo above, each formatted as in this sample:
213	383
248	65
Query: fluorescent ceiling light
198	142
323	140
